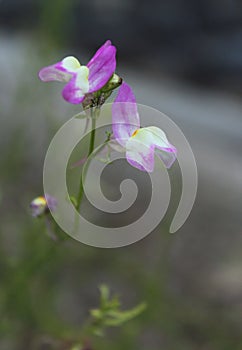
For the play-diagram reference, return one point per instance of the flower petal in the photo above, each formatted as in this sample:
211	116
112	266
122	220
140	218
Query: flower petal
60	71
164	149
74	91
141	147
158	138
100	50
42	204
168	158
38	206
51	202
102	66
140	155
125	117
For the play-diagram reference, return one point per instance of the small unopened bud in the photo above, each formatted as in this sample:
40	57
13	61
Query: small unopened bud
114	82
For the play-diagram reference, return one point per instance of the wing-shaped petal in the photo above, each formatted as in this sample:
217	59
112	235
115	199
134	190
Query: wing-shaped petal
102	66
141	147
168	158
125	117
74	92
164	149
60	71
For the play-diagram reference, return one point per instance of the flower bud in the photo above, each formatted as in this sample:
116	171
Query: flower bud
114	82
98	98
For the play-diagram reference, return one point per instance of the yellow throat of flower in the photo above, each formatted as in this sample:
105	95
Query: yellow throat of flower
135	133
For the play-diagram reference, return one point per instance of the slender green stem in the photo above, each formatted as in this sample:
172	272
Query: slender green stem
80	194
92	138
94	115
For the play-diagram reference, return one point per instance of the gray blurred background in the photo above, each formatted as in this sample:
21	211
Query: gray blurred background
183	58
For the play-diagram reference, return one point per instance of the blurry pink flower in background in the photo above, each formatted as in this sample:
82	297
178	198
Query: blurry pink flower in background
41	205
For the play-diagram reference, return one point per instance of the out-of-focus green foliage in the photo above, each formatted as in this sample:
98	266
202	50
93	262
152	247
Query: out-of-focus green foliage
109	313
55	22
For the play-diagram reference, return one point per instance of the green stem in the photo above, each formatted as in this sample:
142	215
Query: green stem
92	138
94	115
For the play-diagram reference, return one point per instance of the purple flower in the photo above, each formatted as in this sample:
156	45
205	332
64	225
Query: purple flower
41	205
82	80
140	143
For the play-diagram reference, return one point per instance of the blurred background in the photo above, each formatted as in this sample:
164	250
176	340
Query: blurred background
183	58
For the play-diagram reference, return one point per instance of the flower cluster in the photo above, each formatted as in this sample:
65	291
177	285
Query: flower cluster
98	78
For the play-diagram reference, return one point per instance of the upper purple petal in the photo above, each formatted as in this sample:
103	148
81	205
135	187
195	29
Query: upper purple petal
100	50
102	66
125	117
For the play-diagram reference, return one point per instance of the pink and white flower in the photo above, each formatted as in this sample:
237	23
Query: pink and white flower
140	144
82	80
42	204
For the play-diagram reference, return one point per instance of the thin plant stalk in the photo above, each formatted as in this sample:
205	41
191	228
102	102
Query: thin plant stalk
94	115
